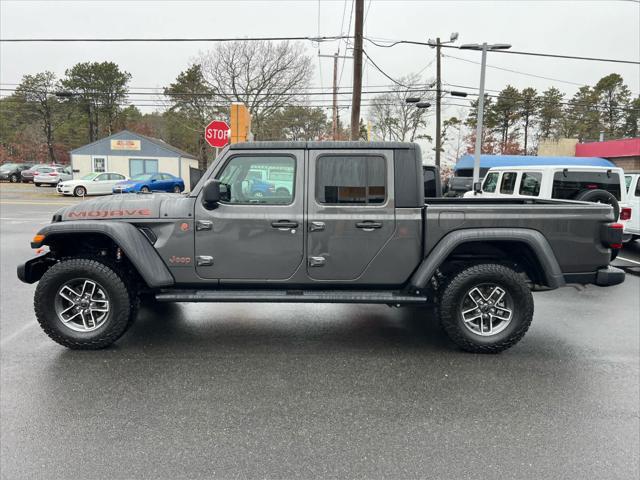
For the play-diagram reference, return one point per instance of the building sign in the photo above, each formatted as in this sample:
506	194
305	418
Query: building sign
125	145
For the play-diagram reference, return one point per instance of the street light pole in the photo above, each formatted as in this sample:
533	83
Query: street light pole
479	121
480	113
438	97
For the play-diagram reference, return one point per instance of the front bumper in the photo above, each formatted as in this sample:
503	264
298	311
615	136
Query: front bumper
32	270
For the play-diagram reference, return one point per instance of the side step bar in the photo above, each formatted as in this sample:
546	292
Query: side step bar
291	296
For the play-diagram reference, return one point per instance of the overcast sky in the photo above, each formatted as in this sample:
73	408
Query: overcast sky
609	29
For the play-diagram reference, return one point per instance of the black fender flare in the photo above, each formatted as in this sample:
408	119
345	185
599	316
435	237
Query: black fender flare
532	238
142	255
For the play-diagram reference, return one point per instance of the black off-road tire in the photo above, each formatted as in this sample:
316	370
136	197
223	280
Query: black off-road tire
123	303
454	292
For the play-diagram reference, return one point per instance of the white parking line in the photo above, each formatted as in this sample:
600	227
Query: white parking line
5	341
628	260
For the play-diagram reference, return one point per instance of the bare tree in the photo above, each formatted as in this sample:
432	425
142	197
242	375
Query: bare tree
396	120
265	76
38	91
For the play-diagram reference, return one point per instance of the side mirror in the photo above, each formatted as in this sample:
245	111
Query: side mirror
213	192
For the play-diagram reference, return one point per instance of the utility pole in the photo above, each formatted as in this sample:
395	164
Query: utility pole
438	97
335	96
334	130
357	71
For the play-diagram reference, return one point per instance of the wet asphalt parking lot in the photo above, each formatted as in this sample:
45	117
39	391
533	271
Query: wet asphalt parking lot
316	391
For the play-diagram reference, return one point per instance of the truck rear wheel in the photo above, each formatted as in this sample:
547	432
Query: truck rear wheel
84	304
486	308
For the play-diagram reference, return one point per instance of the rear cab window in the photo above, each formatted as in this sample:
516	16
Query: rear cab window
508	183
569	184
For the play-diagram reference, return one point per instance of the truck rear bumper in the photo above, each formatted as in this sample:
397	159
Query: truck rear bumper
604	277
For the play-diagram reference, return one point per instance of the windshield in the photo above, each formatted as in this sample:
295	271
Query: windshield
90	176
142	176
8	166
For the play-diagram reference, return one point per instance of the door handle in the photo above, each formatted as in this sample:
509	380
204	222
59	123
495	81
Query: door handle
316	226
284	224
368	225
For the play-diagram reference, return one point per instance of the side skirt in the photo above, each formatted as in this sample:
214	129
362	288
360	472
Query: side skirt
292	296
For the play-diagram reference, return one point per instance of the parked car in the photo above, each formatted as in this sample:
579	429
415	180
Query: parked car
12	171
632	227
29	174
52	176
560	182
347	233
462	180
95	183
148	182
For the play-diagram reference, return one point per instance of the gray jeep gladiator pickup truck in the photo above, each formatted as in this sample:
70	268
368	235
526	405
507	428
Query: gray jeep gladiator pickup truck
339	222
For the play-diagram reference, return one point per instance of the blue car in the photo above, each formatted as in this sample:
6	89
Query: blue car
259	188
150	182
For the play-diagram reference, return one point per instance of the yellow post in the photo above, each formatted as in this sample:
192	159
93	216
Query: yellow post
240	123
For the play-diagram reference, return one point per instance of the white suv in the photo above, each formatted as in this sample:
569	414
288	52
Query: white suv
587	184
632	181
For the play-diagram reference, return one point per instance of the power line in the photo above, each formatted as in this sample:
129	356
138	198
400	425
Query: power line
192	39
512	52
346	43
415	88
517	71
382	71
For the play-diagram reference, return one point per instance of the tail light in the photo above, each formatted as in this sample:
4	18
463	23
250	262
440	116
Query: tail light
625	213
612	235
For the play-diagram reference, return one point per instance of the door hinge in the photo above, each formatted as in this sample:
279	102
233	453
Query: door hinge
204	225
204	261
316	261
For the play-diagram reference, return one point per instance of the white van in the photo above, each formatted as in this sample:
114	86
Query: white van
587	184
632	181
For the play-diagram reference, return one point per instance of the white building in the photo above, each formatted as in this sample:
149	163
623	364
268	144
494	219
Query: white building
131	154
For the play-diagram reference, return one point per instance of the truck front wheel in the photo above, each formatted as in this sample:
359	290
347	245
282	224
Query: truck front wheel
486	308
82	303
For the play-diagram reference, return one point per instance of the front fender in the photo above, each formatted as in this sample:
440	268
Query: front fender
142	255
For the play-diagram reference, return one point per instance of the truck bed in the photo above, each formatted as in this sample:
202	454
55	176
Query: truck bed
572	229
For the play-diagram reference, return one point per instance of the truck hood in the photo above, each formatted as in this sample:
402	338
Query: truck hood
130	206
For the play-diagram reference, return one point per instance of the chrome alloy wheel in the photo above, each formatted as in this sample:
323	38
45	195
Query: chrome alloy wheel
82	305
487	309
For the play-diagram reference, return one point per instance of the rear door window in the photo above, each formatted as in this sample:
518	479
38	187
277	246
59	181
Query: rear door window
569	184
638	187
508	183
530	184
490	182
357	179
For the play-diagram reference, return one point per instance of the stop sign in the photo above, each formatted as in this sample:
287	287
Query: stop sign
217	133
